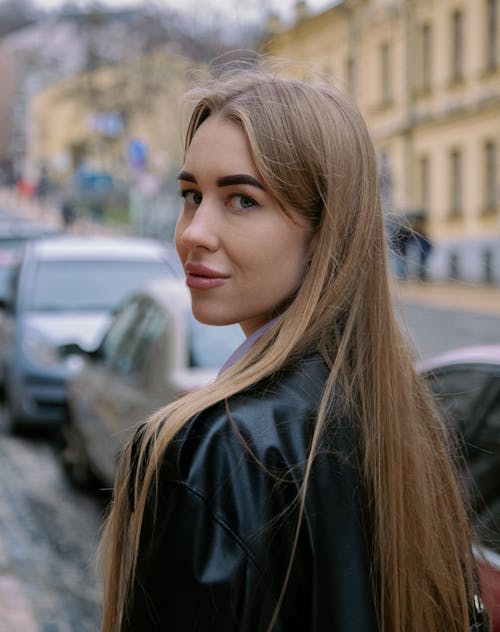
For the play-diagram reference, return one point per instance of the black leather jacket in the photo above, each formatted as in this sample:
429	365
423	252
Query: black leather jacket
214	555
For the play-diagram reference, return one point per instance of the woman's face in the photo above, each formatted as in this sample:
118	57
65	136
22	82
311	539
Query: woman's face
242	255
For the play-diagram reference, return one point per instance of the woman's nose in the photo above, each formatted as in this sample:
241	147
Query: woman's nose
200	229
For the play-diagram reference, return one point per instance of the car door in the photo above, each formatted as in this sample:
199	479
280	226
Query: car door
132	387
90	406
137	365
469	396
486	470
461	392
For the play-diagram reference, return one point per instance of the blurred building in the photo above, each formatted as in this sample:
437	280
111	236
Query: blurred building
37	55
426	75
119	119
73	42
117	129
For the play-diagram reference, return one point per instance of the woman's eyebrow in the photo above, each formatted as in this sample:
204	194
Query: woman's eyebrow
188	177
225	181
240	178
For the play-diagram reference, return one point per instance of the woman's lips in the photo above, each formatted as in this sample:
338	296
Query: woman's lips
201	277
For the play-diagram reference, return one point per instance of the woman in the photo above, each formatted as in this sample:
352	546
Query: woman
309	487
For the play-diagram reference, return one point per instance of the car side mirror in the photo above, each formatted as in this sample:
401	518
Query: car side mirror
71	348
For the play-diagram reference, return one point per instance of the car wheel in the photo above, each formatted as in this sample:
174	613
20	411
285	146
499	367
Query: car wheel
73	457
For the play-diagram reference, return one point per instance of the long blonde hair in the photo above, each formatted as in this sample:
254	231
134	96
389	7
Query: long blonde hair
313	152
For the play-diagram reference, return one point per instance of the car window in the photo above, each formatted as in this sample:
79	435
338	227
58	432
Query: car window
140	336
89	285
148	328
458	390
145	338
11	287
210	346
119	331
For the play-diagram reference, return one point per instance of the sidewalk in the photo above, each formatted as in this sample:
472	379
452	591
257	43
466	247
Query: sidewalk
478	299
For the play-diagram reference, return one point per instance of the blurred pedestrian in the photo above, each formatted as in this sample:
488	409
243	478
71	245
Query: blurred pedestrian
309	487
43	185
68	214
25	188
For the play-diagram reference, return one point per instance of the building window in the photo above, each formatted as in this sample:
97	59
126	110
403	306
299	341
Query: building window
457	43
424	184
456	202
490	176
491	34
385	73
426	69
385	182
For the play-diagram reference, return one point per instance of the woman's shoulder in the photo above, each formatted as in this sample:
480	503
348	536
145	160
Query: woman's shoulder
272	420
244	458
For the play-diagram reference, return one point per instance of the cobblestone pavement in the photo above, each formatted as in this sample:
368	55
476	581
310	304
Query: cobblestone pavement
48	538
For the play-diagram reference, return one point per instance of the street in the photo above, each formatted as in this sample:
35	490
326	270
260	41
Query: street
436	330
48	534
49	531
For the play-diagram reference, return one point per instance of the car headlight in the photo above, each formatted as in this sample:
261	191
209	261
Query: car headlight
38	349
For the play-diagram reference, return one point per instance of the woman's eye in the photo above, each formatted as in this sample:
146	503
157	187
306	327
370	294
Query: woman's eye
192	197
242	202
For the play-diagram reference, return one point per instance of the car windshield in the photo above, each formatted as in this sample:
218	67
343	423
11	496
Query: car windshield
90	285
211	346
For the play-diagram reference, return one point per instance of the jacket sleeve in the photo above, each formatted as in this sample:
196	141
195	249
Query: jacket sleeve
194	573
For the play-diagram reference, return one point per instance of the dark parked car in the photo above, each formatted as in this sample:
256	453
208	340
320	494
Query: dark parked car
153	351
467	385
64	291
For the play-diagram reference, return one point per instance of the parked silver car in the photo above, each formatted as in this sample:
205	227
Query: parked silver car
64	290
153	352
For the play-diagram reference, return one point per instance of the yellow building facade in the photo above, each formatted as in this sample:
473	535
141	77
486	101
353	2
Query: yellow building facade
91	118
426	76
